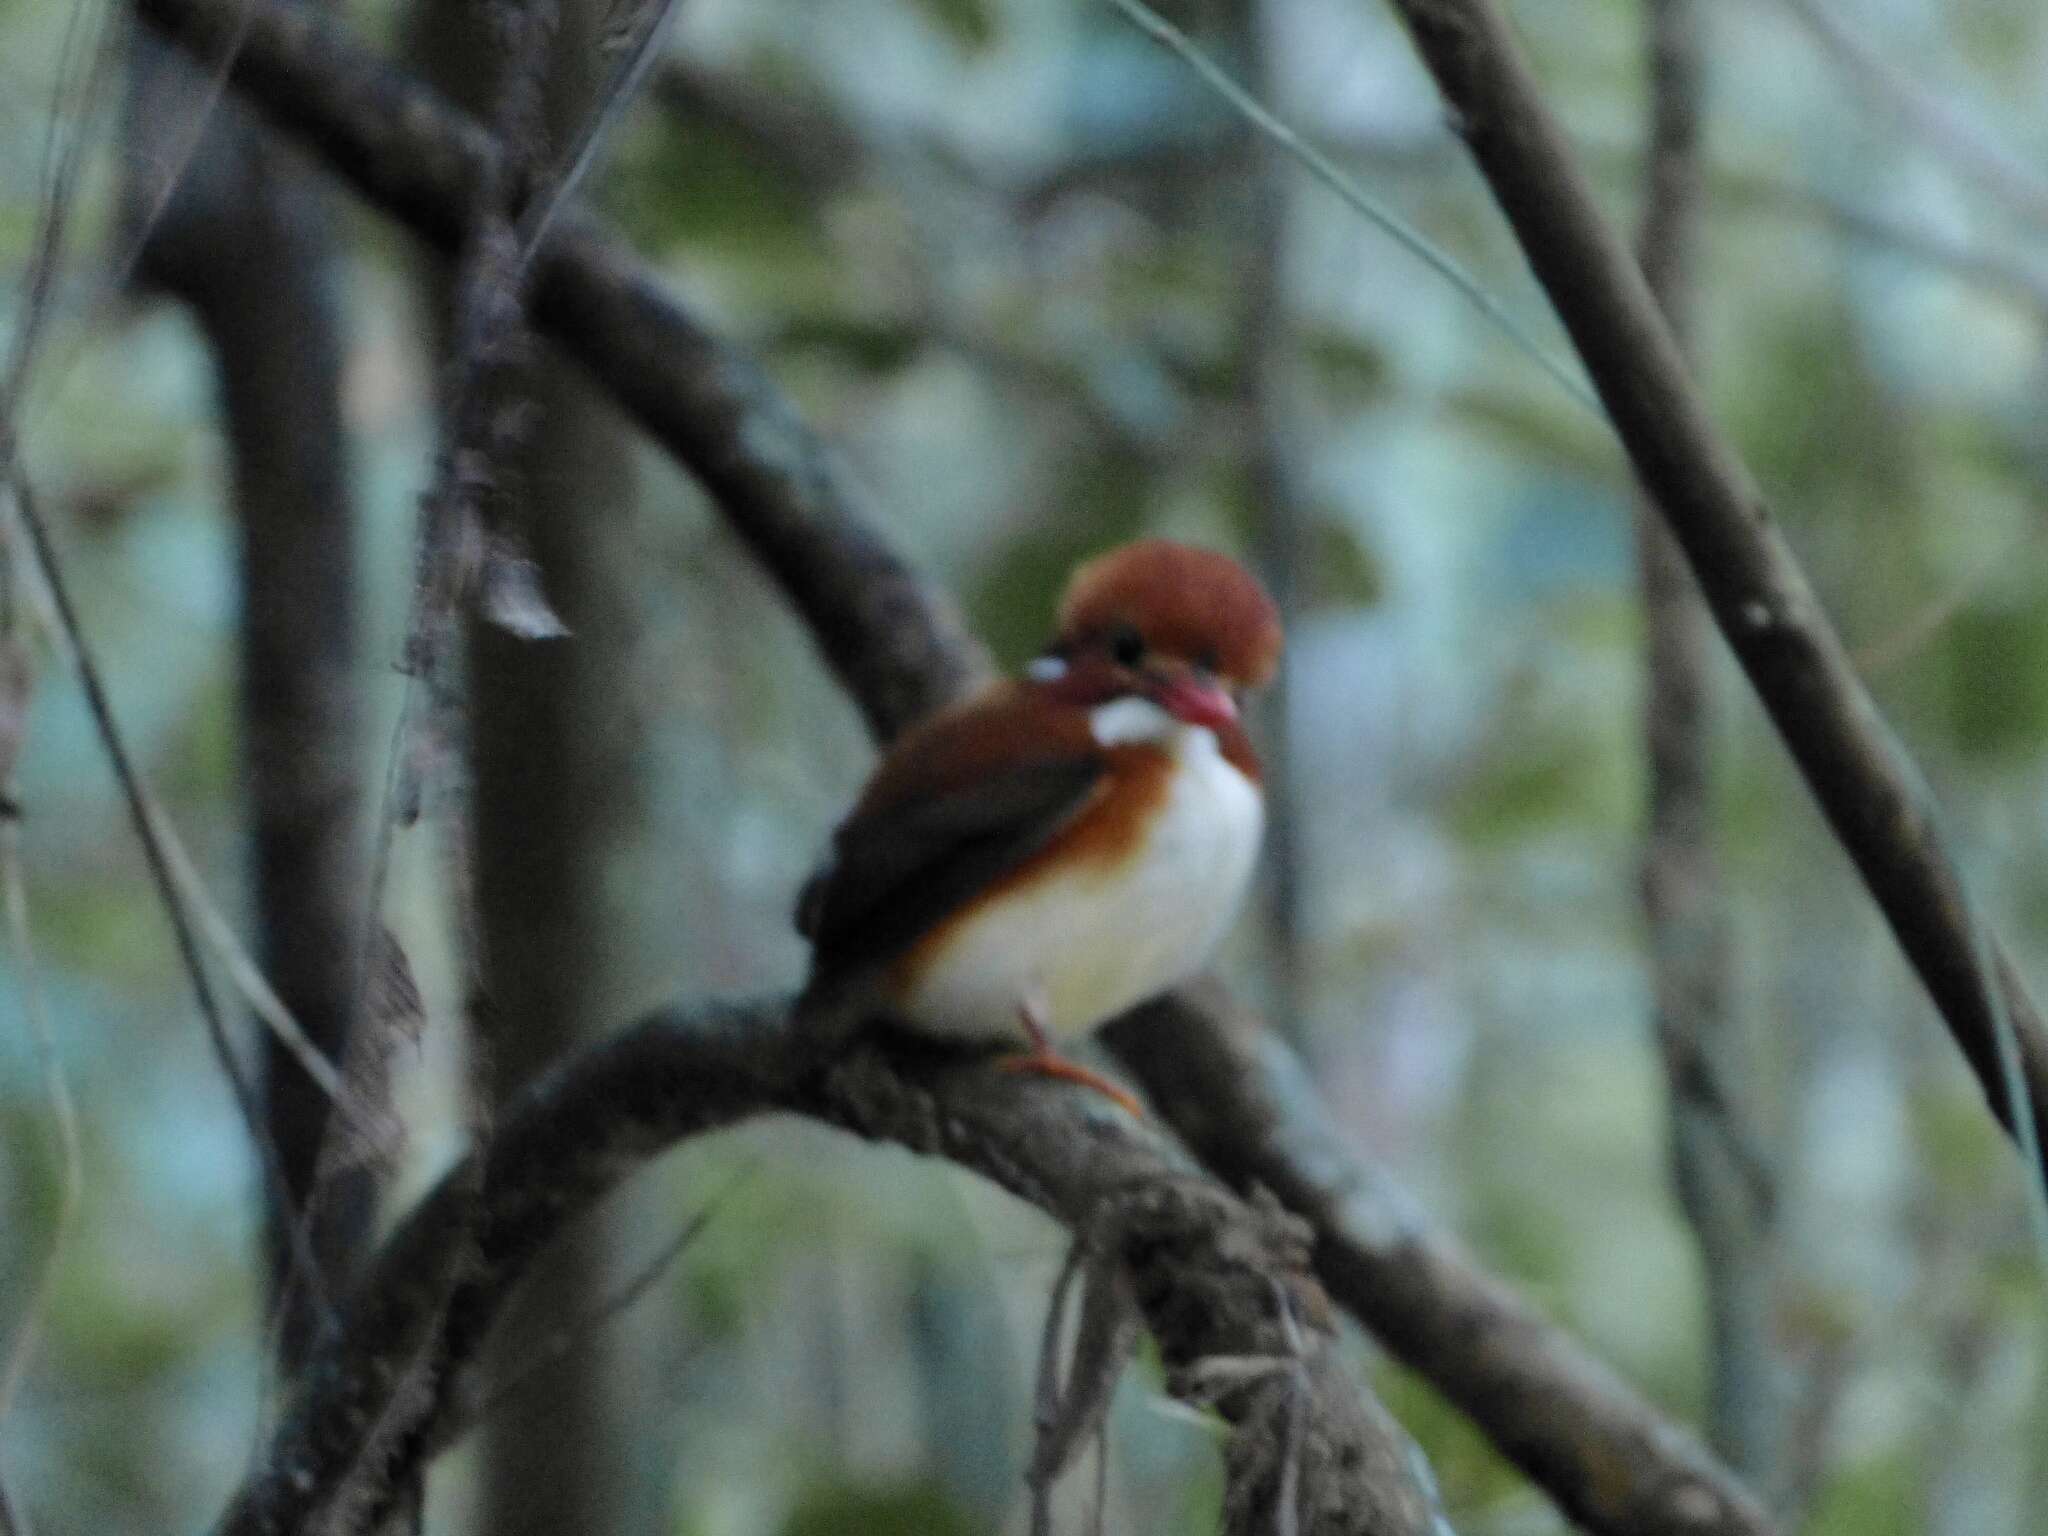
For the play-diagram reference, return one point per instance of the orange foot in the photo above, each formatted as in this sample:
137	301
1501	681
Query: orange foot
1043	1062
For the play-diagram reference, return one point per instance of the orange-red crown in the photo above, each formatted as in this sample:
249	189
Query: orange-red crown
1194	604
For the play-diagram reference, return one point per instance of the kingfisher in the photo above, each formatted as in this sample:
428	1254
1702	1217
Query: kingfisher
1047	854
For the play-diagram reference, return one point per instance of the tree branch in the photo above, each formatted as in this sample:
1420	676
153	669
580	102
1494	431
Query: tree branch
244	239
1273	485
898	646
1217	1278
1598	1449
1949	128
1867	786
1247	1108
1721	1177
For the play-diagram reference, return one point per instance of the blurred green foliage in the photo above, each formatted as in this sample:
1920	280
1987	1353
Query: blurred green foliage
998	252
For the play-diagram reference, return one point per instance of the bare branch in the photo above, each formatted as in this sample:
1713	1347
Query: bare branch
129	779
1942	125
1717	1165
1217	1278
900	649
898	646
1868	787
20	1350
1246	1107
1279	505
462	532
1354	196
235	228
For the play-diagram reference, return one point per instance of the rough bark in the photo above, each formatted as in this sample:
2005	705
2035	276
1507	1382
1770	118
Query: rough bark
554	792
1596	1447
898	645
1246	1106
1221	1282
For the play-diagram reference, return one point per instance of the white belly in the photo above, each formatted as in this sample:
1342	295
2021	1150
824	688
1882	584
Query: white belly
1081	948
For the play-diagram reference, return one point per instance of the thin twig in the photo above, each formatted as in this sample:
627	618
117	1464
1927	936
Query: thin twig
1333	176
898	645
63	167
63	1111
612	102
1869	788
63	162
1046	1390
54	221
171	174
56	1083
567	1337
158	858
241	968
2006	275
1942	125
254	987
1919	629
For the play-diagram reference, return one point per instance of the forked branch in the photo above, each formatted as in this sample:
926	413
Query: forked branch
1220	1280
1867	785
1600	1450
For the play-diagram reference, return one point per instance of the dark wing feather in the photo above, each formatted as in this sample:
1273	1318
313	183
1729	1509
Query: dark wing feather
897	872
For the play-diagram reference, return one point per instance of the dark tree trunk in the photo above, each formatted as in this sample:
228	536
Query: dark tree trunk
556	794
246	243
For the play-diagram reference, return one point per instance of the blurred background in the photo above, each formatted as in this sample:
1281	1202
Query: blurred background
1047	293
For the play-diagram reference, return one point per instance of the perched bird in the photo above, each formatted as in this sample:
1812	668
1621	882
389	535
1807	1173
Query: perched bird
1063	846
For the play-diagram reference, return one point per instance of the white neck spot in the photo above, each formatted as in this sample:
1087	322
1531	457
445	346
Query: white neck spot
1046	669
1130	721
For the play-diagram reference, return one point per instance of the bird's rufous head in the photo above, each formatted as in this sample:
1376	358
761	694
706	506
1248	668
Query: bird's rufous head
1187	628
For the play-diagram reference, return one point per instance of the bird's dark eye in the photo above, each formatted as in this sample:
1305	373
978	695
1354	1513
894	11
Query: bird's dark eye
1126	646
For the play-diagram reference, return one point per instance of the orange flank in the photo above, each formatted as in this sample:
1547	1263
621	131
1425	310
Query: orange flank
1109	831
1068	843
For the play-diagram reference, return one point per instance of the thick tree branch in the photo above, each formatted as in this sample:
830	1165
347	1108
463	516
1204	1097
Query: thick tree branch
1246	1107
899	646
1223	1283
1868	787
1602	1452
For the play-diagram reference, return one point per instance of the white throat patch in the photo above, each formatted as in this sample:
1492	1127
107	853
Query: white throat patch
1082	946
1130	721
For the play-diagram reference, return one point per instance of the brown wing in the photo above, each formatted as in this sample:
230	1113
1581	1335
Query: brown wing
956	806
